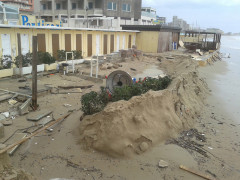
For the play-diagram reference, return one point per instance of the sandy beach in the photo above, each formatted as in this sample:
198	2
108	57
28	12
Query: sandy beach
61	153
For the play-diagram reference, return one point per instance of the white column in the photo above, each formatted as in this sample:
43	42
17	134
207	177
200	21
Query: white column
53	9
69	8
85	5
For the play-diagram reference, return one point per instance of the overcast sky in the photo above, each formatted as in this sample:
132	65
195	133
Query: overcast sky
222	14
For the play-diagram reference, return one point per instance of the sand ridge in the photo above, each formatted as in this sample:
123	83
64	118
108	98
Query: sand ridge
132	127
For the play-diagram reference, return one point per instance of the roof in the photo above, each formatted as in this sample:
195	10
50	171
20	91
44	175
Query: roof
201	32
161	28
62	28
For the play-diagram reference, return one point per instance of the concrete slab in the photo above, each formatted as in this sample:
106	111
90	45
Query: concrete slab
39	115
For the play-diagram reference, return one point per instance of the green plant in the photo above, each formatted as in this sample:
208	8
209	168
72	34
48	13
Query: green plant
61	54
45	58
94	102
6	62
77	54
26	60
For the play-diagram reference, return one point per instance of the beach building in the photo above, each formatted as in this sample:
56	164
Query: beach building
25	6
102	14
148	15
176	22
155	38
8	14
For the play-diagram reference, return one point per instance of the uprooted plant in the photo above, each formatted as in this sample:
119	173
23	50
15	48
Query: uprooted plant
94	102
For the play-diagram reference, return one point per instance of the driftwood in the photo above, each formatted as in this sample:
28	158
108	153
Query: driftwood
196	173
72	87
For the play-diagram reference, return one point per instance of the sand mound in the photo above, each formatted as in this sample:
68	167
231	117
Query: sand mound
133	126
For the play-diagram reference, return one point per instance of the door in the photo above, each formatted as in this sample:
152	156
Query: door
124	41
112	44
25	44
164	41
6	44
129	41
68	42
105	44
55	44
97	44
79	42
41	42
118	43
89	40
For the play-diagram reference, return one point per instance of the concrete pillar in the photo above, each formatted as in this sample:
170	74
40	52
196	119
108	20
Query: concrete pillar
85	5
69	8
140	22
132	21
1	130
118	22
53	9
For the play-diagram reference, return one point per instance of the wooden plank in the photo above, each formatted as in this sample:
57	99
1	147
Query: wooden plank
112	44
89	40
14	138
34	134
41	42
79	42
20	54
55	44
105	44
130	41
68	47
34	73
196	173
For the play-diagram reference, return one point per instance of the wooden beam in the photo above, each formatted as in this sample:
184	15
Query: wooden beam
196	173
34	134
20	54
34	73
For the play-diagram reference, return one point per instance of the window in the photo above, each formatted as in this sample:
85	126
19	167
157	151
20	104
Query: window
44	6
90	5
126	7
58	6
112	6
74	6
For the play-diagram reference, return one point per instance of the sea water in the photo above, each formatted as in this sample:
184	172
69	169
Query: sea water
228	88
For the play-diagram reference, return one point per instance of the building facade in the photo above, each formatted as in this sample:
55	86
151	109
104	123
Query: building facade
148	15
25	6
90	13
179	23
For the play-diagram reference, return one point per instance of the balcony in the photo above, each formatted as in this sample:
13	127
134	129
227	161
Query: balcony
95	12
61	11
150	15
46	12
78	11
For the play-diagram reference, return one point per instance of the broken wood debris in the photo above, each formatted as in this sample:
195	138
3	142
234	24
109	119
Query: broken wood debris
185	141
34	134
72	87
196	173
